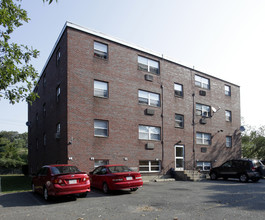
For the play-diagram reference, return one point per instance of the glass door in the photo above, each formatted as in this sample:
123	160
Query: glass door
179	157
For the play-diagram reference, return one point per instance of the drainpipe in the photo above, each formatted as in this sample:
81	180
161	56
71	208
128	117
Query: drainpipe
162	128
193	129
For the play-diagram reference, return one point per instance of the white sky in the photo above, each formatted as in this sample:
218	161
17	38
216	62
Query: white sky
223	38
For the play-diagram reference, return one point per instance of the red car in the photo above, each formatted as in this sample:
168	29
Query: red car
59	180
115	177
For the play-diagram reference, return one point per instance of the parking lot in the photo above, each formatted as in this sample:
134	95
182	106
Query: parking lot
162	200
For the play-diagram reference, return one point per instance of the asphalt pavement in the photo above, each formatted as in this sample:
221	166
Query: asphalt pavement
178	200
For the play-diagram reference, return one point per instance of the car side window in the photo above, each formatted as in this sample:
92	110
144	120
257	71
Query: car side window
227	164
97	171
103	171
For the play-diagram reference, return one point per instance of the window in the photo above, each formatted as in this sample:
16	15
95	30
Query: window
44	139
228	115
149	166
228	142
101	89
227	90
202	82
178	88
149	132
203	110
58	129
44	110
58	93
148	98
179	121
100	50
203	166
37	144
101	128
148	65
58	57
203	138
98	163
44	80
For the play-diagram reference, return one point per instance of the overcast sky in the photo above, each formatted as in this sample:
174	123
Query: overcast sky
223	38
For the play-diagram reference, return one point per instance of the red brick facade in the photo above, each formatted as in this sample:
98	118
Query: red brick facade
77	108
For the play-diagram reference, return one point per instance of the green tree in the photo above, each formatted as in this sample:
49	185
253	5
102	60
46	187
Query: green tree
18	77
13	149
253	143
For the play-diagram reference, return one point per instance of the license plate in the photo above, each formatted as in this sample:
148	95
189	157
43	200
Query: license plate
129	178
72	181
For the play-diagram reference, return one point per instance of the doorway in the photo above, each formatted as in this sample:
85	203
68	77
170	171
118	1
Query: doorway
179	157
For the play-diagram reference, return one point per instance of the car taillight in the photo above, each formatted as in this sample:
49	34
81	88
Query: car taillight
253	169
58	181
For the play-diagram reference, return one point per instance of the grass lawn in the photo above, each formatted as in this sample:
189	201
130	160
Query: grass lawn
15	183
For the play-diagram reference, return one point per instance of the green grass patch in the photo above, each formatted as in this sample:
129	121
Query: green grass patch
15	183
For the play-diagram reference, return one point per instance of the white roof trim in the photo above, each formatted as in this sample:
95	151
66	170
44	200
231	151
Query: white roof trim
99	34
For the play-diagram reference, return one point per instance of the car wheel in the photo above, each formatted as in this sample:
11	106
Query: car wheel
45	194
213	176
33	188
243	178
134	189
105	188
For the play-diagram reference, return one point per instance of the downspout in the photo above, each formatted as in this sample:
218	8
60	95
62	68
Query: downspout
162	128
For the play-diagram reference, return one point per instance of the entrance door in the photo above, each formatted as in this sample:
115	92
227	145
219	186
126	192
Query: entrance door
179	157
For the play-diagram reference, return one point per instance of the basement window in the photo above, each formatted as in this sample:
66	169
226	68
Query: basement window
148	166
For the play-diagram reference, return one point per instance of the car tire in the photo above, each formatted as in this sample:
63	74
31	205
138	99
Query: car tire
105	188
134	189
213	176
45	194
243	178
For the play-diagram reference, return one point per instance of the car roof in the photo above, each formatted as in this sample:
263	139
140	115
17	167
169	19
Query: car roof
58	165
112	165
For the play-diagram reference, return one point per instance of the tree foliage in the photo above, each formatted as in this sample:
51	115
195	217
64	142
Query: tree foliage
253	143
17	75
13	149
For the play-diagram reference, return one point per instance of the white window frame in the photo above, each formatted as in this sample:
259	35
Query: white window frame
98	163
177	121
101	87
152	66
228	115
58	57
58	93
148	131
228	141
178	90
203	138
203	110
147	98
150	166
101	50
105	128
203	165
202	82
227	90
58	128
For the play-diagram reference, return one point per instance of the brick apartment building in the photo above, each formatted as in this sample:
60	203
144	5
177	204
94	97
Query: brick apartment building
106	101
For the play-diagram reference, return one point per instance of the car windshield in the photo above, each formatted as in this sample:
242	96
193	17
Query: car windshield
65	169
119	169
